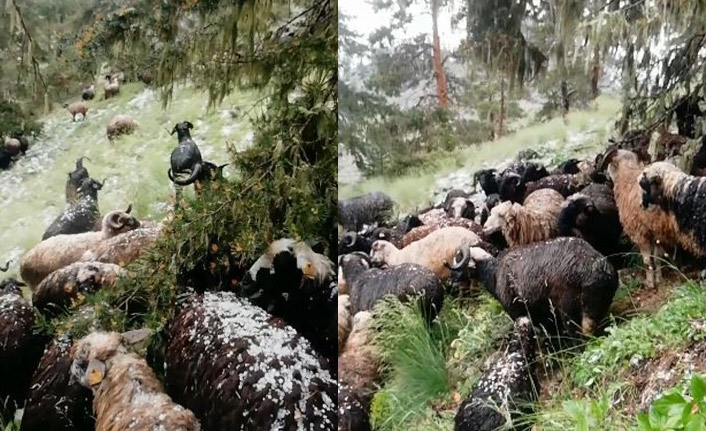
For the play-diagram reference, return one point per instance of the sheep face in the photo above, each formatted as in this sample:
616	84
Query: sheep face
92	354
381	251
461	207
615	158
497	217
349	266
583	207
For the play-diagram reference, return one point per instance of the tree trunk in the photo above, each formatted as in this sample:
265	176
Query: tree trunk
565	103
501	117
628	77
595	71
442	89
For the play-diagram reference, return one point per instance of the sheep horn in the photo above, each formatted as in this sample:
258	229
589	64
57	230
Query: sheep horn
169	174
6	267
79	162
465	257
351	237
192	178
612	151
114	221
129	208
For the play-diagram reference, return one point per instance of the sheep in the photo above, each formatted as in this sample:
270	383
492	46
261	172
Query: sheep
63	286
121	125
651	231
5	158
20	346
488	181
457	204
13	146
124	249
145	77
533	221
505	389
186	157
344	320
24	142
361	241
667	145
368	286
433	251
88	93
423	231
126	392
292	282
261	374
592	215
666	189
354	213
62	250
74	181
55	400
81	216
570	166
565	184
112	87
405	226
359	371
562	284
77	108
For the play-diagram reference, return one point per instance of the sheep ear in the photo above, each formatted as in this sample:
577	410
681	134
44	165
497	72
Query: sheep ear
134	337
189	125
95	372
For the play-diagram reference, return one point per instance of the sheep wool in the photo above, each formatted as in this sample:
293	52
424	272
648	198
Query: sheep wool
126	392
344	320
260	374
55	401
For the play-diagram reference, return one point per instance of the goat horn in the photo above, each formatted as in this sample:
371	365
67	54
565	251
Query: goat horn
608	157
351	236
129	208
6	267
79	162
465	257
195	174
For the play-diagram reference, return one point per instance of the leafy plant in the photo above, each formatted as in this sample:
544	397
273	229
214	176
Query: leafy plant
677	411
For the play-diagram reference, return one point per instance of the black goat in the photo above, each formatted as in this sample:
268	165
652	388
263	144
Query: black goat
186	157
488	181
81	216
74	181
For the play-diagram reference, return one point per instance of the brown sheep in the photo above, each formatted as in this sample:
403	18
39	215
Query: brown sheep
535	220
667	189
434	251
565	184
344	320
126	392
63	286
123	249
422	231
121	125
77	108
61	250
13	146
359	372
112	88
651	231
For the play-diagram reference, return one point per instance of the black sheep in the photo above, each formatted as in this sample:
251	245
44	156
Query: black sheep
488	181
20	346
56	401
570	166
563	284
504	390
186	157
74	181
565	184
292	282
592	215
83	216
353	412
351	241
368	285
5	158
238	368
356	212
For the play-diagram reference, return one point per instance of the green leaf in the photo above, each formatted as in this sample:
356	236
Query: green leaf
698	388
696	423
643	422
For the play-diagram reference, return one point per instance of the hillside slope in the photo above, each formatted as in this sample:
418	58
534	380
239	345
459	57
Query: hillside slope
134	167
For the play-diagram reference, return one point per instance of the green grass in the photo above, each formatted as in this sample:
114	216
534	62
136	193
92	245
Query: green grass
135	166
415	189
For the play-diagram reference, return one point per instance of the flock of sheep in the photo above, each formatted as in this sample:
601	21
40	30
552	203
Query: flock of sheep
259	358
545	244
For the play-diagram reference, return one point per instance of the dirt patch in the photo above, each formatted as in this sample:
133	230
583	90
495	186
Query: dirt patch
636	299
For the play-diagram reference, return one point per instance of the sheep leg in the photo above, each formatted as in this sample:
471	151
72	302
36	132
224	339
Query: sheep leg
659	254
649	269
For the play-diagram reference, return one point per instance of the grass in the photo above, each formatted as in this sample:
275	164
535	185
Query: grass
557	136
134	167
